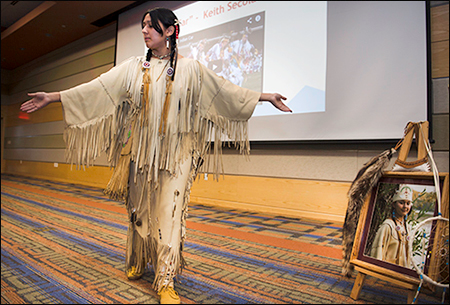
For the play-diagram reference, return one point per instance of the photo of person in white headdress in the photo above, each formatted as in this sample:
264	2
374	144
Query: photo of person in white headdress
391	243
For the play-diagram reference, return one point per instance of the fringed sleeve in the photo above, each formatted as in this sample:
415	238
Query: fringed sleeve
224	109
95	113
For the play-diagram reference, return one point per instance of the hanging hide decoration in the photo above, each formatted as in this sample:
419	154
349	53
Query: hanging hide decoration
365	180
368	177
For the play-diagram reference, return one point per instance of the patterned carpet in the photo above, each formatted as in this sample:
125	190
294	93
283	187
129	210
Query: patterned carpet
65	244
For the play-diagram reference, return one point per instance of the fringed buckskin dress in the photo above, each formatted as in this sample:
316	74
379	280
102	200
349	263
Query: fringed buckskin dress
156	135
391	244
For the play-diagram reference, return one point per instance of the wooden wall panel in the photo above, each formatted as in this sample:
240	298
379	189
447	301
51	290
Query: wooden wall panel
289	197
44	141
97	176
439	20
103	39
51	113
439	23
47	128
49	155
93	61
439	55
286	197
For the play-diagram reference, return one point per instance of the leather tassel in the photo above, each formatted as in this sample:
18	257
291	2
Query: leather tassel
117	187
145	96
165	112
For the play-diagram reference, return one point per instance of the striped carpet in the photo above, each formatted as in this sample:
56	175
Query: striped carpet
65	244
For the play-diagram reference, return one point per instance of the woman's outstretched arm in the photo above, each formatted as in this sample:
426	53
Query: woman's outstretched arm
39	100
276	100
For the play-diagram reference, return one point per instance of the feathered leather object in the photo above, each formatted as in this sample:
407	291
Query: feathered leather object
365	180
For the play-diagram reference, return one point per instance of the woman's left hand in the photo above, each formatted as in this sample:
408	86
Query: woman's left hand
277	101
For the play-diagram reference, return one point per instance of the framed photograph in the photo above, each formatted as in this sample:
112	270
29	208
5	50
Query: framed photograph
398	202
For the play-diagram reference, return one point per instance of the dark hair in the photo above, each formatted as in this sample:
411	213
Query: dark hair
167	19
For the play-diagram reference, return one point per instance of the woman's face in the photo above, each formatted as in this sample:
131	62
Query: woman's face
153	40
402	208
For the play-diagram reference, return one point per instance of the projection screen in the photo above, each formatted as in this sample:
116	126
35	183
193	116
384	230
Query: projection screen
351	70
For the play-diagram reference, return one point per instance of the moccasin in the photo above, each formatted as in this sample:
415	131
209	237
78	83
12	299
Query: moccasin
133	275
168	295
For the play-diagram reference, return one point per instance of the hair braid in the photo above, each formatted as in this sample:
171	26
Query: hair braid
173	54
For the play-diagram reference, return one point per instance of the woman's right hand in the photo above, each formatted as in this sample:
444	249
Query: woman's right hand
39	100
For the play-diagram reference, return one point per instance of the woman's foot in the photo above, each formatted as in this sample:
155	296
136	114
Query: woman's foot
132	273
168	295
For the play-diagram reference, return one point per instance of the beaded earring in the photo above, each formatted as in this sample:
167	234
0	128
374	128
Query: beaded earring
393	214
167	42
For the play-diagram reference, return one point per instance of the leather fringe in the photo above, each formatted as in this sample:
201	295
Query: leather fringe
117	187
137	251
86	141
167	262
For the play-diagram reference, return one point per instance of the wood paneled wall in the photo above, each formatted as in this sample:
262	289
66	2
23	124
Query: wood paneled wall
439	41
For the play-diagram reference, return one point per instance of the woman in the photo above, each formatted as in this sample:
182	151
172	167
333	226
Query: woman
155	117
391	243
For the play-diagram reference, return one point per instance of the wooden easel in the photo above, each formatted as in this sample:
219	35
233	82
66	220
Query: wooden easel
406	282
421	137
364	269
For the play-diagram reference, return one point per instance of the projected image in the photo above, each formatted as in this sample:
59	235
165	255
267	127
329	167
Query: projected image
340	64
234	50
246	51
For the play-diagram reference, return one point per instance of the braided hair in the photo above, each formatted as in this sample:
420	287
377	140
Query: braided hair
167	19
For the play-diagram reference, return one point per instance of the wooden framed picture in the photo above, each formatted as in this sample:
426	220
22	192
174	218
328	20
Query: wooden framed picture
372	254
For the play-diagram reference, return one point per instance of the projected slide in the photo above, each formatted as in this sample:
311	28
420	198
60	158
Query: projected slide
246	49
350	70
